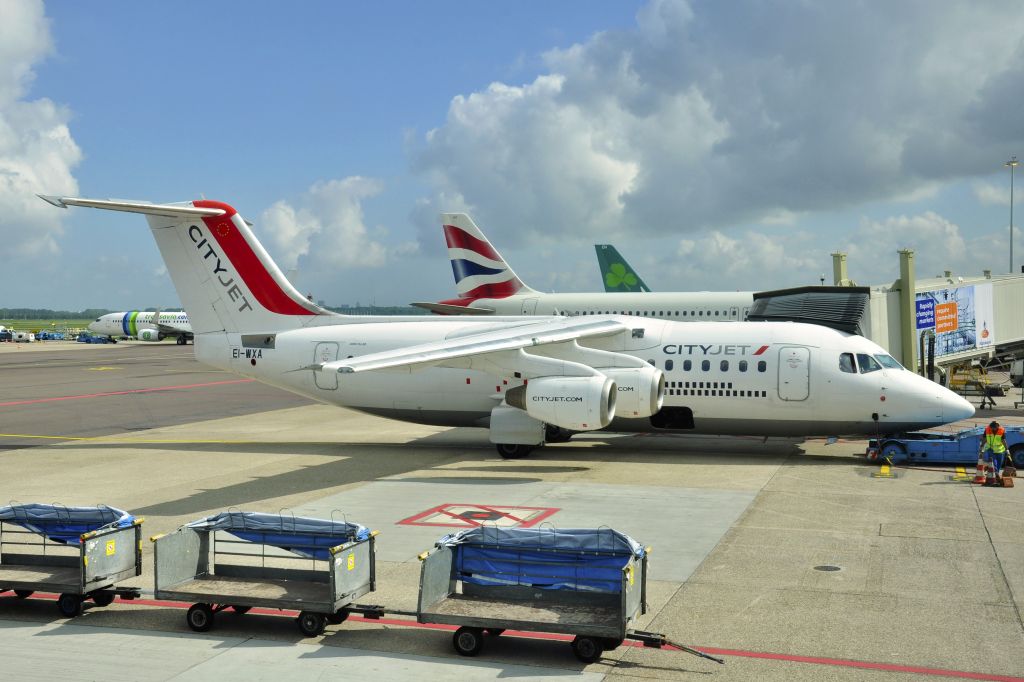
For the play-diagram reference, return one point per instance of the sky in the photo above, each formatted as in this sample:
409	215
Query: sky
720	146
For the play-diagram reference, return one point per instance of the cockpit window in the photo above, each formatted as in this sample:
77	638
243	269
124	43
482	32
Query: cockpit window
867	363
888	361
846	363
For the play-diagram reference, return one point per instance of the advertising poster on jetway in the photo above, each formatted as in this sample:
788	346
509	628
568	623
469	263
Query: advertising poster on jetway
960	318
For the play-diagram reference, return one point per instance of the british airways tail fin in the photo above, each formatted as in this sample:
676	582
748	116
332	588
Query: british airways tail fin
616	272
480	271
226	280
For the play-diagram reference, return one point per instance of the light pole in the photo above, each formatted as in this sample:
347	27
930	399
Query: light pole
1012	163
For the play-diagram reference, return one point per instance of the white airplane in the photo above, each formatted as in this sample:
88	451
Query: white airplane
486	285
527	379
144	326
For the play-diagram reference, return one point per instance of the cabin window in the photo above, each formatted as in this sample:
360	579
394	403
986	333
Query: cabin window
724	366
700	313
705	365
846	363
867	363
716	313
762	366
669	365
687	365
888	361
743	365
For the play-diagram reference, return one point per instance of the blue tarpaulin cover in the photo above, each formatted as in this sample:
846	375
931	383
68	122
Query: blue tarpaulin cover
64	524
300	535
578	559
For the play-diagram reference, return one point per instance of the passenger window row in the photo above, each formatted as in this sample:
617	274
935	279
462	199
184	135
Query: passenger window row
723	365
660	313
719	393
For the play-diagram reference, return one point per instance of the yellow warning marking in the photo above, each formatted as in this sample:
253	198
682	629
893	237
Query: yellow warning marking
100	369
884	471
351	562
29	435
111	547
961	475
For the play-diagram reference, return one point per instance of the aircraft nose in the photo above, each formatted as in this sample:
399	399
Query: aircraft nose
955	407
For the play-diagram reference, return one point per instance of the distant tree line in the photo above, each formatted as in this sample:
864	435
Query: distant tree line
47	314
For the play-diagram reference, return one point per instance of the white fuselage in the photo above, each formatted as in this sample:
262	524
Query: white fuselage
750	378
700	306
129	323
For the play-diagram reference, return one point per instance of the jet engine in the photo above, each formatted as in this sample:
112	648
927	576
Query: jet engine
149	335
576	403
641	390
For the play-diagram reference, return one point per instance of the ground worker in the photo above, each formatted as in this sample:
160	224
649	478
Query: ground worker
993	450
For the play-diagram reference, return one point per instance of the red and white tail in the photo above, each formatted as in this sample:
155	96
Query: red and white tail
226	280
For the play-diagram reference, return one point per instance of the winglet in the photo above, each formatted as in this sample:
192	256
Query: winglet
50	199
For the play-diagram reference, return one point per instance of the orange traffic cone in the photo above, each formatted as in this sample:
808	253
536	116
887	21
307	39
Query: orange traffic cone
979	476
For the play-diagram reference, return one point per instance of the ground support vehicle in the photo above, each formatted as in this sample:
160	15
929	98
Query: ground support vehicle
591	583
81	553
956	447
240	560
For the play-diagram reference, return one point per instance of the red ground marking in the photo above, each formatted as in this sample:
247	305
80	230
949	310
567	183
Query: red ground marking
469	523
764	655
129	392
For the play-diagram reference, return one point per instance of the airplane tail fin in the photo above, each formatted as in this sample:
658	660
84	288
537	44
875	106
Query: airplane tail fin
616	272
226	280
480	271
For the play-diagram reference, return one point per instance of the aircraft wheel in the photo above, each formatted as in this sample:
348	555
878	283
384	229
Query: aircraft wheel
556	434
338	617
23	594
468	641
103	598
181	341
514	450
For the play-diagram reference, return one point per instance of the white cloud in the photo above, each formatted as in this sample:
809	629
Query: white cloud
37	152
992	195
722	113
325	228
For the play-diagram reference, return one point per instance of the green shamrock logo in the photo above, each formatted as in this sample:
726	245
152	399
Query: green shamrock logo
618	275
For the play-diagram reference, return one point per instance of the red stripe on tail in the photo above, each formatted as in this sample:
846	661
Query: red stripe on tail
250	268
458	238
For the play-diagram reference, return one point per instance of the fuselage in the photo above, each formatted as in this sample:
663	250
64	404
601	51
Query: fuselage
129	323
700	306
746	378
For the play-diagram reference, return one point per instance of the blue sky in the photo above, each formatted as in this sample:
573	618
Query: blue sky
719	145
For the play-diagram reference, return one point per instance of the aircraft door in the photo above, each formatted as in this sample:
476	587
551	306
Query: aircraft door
325	352
734	313
794	373
529	306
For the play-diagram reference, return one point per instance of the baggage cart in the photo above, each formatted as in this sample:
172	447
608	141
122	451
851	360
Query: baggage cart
590	583
80	553
241	560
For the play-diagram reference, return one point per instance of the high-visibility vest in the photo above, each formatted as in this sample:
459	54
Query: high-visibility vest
994	441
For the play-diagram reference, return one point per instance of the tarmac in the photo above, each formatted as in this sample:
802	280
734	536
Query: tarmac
924	579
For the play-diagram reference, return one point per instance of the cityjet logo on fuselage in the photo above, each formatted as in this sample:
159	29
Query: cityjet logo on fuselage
557	399
712	349
196	235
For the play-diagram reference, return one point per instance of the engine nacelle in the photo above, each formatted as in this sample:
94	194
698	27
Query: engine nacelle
576	403
149	335
641	390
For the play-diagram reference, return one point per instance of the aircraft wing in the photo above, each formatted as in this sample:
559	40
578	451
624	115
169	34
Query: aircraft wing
448	309
167	210
485	346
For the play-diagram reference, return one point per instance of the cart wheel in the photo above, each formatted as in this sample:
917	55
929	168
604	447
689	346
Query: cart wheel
338	617
23	594
103	598
240	610
587	649
895	451
611	643
468	641
200	617
69	605
311	624
494	632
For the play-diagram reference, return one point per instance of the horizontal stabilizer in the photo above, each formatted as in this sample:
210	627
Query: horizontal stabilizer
166	210
448	309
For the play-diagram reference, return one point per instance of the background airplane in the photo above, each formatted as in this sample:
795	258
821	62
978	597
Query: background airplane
144	326
527	379
487	285
616	273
